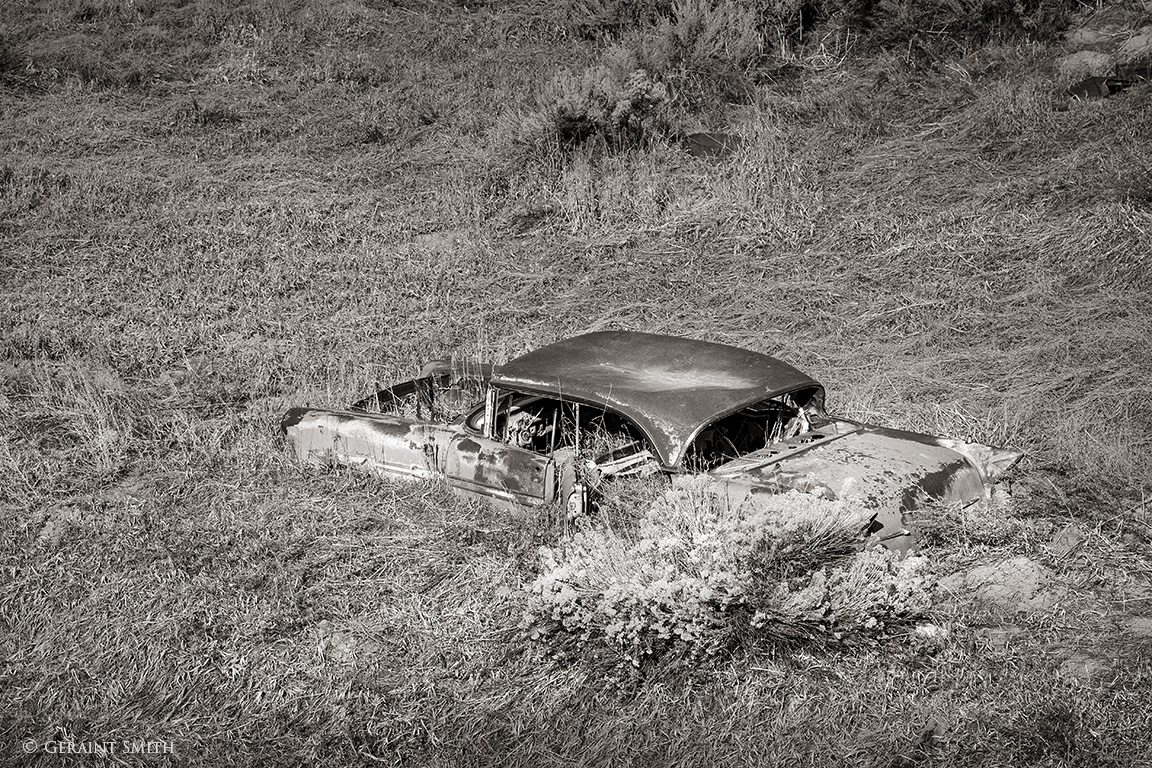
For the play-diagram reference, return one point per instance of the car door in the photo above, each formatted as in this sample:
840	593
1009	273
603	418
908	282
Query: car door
502	472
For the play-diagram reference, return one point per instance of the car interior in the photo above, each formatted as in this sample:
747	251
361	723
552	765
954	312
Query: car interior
544	425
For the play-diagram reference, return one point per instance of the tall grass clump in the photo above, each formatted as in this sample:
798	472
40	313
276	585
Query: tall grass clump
701	579
599	18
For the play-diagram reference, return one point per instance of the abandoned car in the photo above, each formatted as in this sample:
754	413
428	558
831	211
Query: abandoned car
559	423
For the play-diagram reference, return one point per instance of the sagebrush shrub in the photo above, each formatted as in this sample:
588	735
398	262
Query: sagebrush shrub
682	58
706	49
695	53
701	578
619	102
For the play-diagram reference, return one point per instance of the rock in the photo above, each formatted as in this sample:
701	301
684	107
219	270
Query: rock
1137	47
1095	88
712	144
1084	37
1141	626
1085	64
1066	539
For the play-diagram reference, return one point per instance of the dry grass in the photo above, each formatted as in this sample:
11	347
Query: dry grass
211	213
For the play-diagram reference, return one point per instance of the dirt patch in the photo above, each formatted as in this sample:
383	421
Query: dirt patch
1014	584
1139	626
443	241
1000	638
1083	666
55	522
343	646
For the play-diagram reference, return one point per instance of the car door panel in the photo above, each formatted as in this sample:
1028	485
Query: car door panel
489	468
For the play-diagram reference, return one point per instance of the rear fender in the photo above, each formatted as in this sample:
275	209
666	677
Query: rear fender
377	443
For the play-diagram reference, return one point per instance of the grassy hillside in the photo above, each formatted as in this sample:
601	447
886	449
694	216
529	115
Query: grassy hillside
211	211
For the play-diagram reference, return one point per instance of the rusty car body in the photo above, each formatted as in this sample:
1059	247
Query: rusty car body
558	423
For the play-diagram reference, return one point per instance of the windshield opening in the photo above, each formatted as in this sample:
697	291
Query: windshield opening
756	427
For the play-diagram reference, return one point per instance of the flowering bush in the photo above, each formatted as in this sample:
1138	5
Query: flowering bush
701	577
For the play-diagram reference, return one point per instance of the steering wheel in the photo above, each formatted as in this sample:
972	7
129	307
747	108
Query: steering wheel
525	427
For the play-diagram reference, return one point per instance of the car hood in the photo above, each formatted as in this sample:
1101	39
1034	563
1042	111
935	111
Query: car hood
880	467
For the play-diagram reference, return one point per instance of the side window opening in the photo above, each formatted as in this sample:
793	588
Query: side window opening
441	394
546	425
529	422
604	433
533	422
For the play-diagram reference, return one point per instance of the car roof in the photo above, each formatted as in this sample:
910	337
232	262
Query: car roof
671	387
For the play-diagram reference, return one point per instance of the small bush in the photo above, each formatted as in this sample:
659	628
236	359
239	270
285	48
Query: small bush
702	579
618	102
701	53
706	49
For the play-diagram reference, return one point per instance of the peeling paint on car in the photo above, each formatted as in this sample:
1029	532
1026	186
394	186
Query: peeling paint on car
381	443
